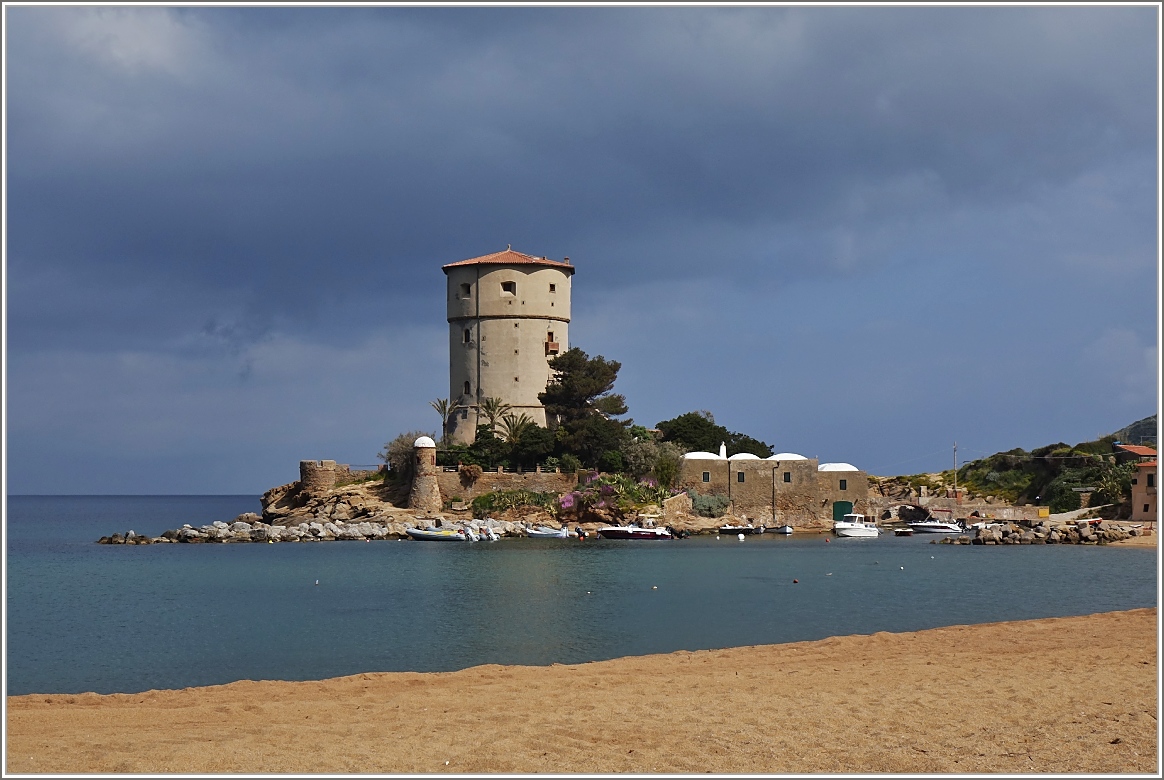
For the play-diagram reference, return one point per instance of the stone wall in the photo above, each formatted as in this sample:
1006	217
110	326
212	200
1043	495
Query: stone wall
452	484
885	508
806	499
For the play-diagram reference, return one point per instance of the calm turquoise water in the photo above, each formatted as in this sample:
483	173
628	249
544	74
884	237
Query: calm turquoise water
88	617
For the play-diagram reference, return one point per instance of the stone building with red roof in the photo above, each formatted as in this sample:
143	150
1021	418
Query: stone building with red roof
509	315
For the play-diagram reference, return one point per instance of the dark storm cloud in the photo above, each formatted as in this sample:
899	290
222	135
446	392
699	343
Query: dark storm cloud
207	181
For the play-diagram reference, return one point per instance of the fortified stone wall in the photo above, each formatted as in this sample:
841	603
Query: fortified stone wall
805	499
454	485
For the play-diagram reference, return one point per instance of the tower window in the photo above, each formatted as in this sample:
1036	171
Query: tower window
468	335
465	289
739	476
553	288
1151	480
550	336
515	379
844	484
509	288
707	476
464	414
787	476
467	388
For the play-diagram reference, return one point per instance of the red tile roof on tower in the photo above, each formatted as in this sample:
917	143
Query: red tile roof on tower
509	256
1136	449
1144	464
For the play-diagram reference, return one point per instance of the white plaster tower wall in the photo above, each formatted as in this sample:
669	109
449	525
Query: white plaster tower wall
509	315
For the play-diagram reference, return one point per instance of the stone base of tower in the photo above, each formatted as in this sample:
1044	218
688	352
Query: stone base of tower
425	494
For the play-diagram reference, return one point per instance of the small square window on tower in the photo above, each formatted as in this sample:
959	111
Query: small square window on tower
707	476
465	289
553	288
509	288
739	476
787	476
844	484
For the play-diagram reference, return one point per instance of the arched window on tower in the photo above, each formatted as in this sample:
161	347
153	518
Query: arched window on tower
468	336
467	389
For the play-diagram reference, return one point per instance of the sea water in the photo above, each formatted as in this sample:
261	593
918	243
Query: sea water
88	617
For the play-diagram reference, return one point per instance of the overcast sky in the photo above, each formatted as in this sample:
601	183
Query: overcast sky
861	234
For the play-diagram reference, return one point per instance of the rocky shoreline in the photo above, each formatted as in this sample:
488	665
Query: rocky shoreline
250	528
1080	532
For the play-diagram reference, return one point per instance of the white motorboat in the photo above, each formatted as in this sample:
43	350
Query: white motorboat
933	526
855	525
783	529
545	532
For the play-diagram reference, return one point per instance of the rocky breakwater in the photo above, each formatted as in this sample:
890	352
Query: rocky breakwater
1046	532
250	527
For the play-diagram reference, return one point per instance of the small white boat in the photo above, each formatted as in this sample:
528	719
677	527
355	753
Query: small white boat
855	525
488	533
545	532
783	529
437	534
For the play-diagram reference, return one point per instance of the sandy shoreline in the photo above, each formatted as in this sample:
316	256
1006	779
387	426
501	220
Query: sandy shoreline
1057	695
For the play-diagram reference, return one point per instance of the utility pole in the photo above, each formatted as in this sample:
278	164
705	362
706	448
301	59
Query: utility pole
955	469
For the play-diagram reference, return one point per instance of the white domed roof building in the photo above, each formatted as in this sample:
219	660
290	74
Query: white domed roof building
785	488
424	441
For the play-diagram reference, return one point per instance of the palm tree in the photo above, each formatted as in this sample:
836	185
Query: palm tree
446	411
513	426
493	409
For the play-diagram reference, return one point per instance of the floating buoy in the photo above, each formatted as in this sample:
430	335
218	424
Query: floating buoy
654	587
827	540
317	582
903	568
717	536
931	557
794	582
829	574
740	536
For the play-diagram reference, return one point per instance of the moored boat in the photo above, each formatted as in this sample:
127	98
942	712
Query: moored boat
545	532
437	534
783	529
855	525
741	529
903	532
933	526
633	532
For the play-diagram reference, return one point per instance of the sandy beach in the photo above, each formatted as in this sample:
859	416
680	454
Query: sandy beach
1056	695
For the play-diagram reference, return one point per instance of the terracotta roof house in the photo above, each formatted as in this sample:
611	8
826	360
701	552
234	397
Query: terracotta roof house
1144	492
1130	453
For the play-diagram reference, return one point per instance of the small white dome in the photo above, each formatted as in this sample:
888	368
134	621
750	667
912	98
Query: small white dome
744	456
787	456
837	467
424	441
701	456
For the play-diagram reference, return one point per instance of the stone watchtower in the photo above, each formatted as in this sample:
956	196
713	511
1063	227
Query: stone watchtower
509	315
426	493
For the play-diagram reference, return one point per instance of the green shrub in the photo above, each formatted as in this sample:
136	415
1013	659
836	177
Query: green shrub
501	500
570	464
712	505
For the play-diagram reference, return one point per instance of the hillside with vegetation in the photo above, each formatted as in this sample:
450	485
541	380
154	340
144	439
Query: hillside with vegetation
1053	475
